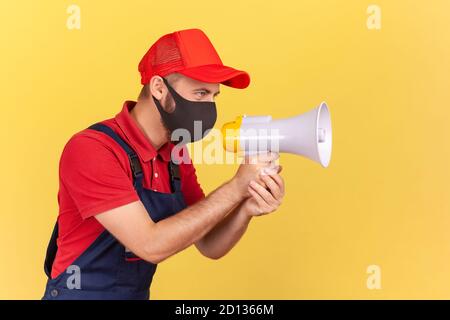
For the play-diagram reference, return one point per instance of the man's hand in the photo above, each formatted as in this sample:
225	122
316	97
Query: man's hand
251	169
263	199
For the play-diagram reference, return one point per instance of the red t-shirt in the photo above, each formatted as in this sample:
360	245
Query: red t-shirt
95	176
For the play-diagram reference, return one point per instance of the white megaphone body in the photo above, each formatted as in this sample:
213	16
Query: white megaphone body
308	135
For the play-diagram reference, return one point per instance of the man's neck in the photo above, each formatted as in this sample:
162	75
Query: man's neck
148	120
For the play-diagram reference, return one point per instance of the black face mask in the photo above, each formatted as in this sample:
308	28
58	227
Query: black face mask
187	113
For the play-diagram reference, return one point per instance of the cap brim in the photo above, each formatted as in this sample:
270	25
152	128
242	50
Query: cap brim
215	73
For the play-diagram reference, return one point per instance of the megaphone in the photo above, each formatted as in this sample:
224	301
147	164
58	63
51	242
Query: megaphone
307	134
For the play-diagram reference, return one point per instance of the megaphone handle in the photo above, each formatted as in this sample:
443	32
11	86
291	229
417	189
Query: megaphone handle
245	154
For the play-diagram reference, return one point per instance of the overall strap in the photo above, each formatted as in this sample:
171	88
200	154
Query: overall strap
51	252
132	156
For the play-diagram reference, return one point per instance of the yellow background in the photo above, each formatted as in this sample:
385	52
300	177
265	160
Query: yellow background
384	200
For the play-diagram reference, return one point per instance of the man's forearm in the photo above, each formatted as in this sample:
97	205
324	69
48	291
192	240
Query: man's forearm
224	236
179	231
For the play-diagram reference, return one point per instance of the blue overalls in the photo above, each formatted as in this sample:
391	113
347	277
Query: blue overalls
106	269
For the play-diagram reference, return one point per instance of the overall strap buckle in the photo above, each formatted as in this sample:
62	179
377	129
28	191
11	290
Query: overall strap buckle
174	171
175	180
135	164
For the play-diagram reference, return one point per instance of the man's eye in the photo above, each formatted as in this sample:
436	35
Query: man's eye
201	93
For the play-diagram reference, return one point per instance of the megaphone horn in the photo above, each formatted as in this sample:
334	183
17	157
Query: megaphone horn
308	134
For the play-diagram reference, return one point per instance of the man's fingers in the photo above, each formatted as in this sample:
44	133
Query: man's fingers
279	180
269	170
274	173
273	186
259	200
266	195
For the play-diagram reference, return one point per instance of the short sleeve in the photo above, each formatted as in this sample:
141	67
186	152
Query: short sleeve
94	176
190	186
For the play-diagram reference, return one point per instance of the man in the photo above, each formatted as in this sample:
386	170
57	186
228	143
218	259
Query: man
126	204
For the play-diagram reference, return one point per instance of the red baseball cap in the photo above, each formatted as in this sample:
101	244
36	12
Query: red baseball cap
192	54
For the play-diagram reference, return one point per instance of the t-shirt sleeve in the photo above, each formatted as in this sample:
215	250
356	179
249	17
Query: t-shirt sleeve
192	191
94	177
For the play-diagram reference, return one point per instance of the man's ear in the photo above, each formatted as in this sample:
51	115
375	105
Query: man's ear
156	87
159	90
